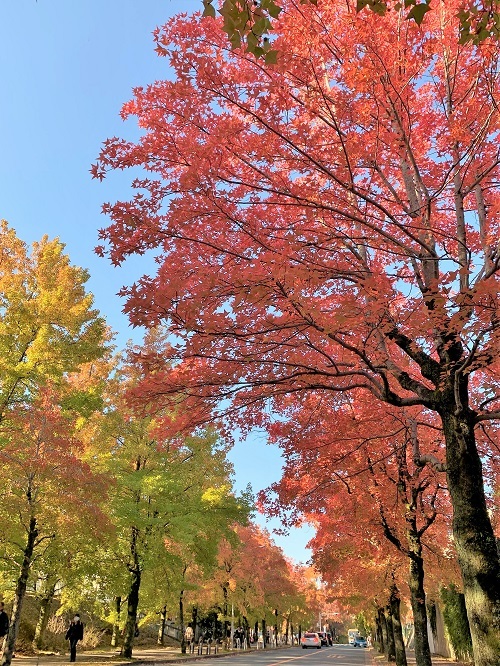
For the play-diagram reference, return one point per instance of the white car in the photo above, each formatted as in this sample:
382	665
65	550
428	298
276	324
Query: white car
310	640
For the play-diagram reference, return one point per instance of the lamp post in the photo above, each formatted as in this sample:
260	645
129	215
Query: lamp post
232	626
320	616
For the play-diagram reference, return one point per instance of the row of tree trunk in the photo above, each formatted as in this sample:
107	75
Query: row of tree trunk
389	630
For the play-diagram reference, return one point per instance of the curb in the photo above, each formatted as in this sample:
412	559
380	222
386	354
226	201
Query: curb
178	659
104	660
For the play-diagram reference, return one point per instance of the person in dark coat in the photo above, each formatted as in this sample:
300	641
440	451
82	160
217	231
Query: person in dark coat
73	635
4	621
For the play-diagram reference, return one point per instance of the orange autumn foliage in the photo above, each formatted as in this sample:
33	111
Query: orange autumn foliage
326	225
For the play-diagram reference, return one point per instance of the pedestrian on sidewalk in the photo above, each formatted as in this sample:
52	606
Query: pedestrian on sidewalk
4	621
73	635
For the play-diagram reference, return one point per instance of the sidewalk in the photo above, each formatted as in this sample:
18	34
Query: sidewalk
113	658
379	660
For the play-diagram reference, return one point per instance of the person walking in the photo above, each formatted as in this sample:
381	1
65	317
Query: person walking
4	621
73	635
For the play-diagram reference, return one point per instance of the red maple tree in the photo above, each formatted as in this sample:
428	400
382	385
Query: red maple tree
328	224
361	473
50	493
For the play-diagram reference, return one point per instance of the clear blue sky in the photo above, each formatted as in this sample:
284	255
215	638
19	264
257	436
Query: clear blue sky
66	67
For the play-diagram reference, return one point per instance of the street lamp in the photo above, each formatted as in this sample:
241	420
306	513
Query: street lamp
232	626
321	615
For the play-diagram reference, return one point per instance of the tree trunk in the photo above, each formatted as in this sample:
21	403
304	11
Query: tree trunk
22	582
473	534
161	629
116	623
417	592
383	628
399	645
44	614
379	639
194	621
224	612
181	621
246	630
275	627
264	637
390	647
133	598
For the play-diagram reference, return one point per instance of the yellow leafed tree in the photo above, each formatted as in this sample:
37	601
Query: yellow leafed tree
48	326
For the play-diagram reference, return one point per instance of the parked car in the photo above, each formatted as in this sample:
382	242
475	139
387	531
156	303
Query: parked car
323	636
360	641
310	640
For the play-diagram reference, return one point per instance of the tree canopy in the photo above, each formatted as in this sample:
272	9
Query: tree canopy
48	326
249	23
326	225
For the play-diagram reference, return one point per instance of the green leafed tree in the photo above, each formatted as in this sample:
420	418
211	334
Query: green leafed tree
171	504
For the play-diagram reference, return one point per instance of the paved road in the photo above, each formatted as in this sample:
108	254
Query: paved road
337	655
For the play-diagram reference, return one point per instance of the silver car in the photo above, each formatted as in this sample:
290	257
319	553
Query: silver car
310	640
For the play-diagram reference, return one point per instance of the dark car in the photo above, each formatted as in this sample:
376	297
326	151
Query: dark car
360	641
324	637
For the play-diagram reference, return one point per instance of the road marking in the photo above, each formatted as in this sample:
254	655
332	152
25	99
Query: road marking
282	661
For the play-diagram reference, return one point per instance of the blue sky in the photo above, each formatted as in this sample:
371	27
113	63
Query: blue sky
66	67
